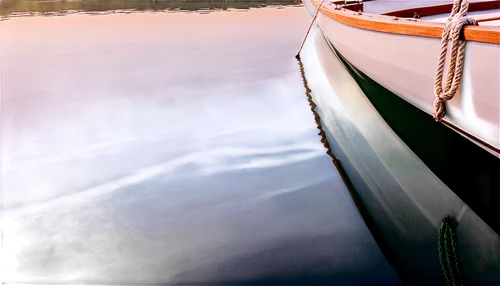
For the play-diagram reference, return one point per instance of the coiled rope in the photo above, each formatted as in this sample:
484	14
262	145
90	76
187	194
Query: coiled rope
449	254
452	29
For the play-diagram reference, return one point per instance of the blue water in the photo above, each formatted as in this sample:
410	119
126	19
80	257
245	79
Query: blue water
170	148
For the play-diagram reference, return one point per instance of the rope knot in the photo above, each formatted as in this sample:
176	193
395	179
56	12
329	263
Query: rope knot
439	109
471	21
460	25
453	29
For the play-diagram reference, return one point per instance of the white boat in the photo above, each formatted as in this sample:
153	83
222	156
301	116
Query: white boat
385	41
407	171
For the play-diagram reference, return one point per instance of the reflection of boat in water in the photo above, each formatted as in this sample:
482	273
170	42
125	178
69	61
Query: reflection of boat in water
408	171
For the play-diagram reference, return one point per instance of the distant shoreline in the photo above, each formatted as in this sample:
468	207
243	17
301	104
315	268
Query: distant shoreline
15	8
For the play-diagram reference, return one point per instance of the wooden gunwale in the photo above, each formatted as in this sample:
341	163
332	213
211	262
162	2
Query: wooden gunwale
409	26
488	19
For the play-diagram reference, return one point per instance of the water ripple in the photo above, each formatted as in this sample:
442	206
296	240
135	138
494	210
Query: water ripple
203	163
237	204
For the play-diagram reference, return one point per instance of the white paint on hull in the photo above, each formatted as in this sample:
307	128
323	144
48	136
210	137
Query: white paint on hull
406	65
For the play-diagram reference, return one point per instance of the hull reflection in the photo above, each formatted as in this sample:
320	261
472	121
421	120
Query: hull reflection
403	198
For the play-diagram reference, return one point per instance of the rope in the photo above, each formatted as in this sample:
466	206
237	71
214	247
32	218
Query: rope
449	254
308	30
452	30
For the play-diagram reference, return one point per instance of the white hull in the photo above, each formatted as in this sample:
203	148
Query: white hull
406	65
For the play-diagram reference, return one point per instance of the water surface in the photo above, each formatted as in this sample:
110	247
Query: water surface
170	148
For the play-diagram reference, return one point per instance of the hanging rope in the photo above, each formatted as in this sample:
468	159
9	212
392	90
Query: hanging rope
308	30
449	254
452	29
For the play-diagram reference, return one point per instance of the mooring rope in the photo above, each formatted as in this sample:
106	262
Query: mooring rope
449	254
452	29
309	29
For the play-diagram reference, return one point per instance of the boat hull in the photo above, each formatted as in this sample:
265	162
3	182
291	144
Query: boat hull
406	65
404	199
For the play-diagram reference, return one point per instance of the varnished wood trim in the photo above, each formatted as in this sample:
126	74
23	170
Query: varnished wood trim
394	25
443	9
488	19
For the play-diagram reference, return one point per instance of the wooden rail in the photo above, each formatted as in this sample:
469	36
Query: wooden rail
488	19
395	25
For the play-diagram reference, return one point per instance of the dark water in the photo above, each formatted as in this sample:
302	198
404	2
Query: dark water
170	148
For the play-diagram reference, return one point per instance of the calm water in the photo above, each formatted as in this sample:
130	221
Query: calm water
170	148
